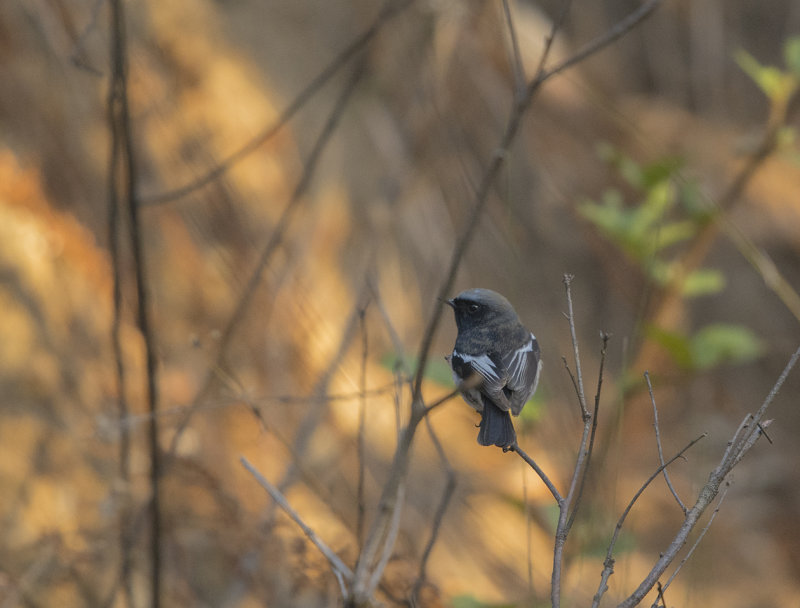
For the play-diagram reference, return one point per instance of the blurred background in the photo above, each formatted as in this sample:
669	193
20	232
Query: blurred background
288	293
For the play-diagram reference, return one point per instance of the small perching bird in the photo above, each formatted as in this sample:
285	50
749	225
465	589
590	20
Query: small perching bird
495	362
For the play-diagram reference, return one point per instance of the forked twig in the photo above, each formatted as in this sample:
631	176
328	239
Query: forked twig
743	439
517	67
658	444
608	564
605	338
571	318
565	507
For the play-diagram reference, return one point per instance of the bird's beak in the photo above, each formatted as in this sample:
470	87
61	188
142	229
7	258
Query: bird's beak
450	303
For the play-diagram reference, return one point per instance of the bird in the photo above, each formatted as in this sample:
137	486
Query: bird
496	362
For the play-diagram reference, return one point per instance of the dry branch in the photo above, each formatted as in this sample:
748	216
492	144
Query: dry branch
123	189
745	438
340	569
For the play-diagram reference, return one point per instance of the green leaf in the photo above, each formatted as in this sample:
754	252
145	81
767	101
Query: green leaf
721	343
606	215
677	345
675	232
791	54
768	78
703	282
646	217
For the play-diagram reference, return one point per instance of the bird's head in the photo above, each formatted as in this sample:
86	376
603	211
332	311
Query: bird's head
481	307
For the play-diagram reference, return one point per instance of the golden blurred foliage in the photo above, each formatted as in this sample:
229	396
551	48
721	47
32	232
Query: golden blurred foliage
299	209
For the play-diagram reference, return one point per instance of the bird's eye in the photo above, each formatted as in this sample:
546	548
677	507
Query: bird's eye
473	308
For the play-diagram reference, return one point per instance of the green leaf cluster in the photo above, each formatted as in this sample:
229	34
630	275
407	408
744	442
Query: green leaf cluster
712	346
668	211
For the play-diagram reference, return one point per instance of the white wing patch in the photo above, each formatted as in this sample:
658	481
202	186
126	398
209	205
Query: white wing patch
481	364
517	365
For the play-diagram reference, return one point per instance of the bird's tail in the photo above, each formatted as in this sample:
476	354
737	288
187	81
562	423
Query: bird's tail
496	427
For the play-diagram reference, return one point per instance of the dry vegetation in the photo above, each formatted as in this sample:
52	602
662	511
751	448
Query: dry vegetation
303	174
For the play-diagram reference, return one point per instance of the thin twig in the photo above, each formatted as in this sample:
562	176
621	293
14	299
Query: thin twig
125	167
388	543
272	245
689	553
565	506
78	54
334	560
556	25
571	318
605	39
114	245
573	379
658	444
743	440
438	517
604	337
390	9
538	470
362	419
661	597
517	67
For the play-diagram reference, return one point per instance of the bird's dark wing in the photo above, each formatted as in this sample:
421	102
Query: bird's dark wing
521	368
492	379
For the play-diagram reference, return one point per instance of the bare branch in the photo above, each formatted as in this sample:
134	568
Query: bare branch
123	178
722	496
387	543
604	39
608	564
555	27
438	517
338	566
745	438
604	337
390	9
658	444
542	475
441	401
517	66
564	507
571	318
362	420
